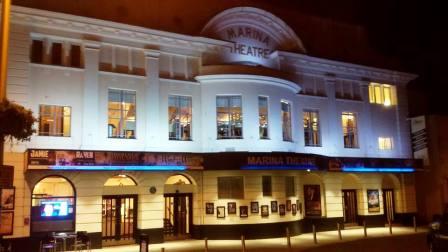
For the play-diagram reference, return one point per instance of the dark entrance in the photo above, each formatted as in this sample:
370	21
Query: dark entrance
119	219
388	204
350	207
178	216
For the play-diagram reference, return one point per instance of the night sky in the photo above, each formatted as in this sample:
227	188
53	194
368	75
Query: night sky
405	35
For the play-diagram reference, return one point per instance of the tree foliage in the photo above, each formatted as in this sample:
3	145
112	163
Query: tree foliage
16	122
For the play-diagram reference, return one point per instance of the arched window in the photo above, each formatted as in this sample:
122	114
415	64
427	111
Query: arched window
120	180
178	180
53	205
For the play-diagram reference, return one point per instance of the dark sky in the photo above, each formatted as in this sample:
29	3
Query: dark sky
407	35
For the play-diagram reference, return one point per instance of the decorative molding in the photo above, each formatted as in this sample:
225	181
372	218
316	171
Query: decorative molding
308	64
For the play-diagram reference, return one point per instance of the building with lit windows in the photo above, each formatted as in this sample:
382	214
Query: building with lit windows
233	131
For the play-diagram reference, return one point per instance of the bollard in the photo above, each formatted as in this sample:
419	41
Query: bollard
288	239
390	226
314	234
415	223
206	244
339	231
162	249
243	244
365	228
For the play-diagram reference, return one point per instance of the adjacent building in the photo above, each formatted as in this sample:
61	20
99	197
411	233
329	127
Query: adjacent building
233	131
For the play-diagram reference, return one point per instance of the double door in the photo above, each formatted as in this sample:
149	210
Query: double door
350	207
178	216
119	219
388	204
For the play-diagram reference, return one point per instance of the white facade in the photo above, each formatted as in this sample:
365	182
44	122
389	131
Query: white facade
201	68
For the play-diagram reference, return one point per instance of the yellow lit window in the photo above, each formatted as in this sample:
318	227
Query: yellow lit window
382	94
385	143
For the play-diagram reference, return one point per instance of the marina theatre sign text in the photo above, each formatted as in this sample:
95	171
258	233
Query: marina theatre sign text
243	35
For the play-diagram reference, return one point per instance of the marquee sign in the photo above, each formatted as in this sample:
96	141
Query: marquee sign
104	160
254	33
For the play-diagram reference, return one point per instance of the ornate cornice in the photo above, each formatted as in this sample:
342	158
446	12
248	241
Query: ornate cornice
307	64
103	30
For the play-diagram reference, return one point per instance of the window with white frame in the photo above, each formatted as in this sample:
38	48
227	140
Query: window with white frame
350	130
385	143
122	114
54	120
286	120
263	118
179	117
229	117
311	128
382	94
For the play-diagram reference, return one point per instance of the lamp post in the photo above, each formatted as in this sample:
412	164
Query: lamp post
4	40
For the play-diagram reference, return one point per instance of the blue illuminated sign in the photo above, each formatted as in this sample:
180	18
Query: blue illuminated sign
382	169
119	168
280	167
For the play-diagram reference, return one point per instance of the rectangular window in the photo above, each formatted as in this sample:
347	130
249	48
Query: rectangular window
382	94
122	114
75	56
385	143
267	185
286	121
231	187
56	54
179	117
350	130
37	48
290	187
229	117
54	120
311	128
263	118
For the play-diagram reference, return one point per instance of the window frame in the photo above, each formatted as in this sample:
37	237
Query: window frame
356	144
267	137
178	101
385	143
285	134
122	111
54	118
230	116
310	129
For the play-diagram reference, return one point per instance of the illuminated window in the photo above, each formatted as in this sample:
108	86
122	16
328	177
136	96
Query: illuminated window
311	128
290	186
179	117
382	94
229	117
267	185
385	143
122	116
263	117
54	120
286	121
231	187
350	130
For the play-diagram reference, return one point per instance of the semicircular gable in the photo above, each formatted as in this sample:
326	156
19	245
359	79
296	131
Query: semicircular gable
255	33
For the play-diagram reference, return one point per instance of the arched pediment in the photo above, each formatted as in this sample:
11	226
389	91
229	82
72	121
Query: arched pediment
255	33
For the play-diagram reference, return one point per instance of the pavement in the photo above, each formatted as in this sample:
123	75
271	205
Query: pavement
378	239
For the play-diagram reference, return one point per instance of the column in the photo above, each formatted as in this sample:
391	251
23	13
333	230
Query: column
90	122
152	87
333	139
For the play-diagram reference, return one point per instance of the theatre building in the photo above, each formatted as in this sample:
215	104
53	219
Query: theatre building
237	130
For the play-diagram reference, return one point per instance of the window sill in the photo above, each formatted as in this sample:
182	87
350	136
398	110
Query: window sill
351	148
181	140
123	74
123	138
313	146
53	136
349	100
230	138
60	67
265	138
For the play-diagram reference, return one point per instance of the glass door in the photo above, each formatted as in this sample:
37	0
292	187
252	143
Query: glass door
119	219
178	217
388	204
350	207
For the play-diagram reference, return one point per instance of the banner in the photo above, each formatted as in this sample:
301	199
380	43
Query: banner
312	200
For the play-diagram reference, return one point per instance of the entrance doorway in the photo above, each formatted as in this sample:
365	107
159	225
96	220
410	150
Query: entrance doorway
388	204
178	218
119	219
349	204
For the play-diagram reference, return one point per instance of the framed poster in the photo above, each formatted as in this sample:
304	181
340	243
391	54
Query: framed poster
7	198
254	207
288	205
373	200
264	211
312	200
244	211
294	209
7	222
274	207
221	212
231	208
282	209
209	208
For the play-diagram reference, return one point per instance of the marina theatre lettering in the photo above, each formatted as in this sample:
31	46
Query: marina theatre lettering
242	35
280	160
